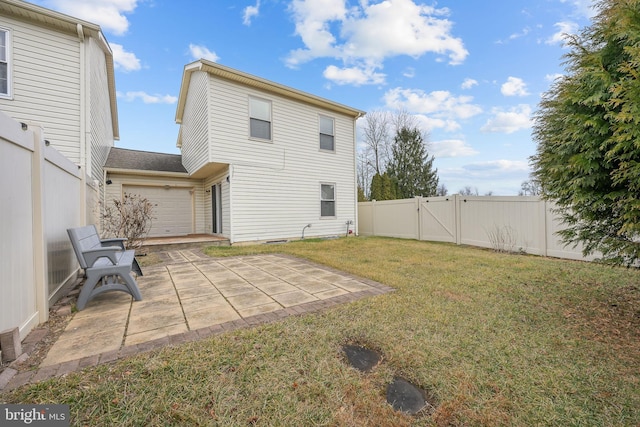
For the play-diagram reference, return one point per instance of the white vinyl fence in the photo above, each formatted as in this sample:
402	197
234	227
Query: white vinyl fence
42	194
515	224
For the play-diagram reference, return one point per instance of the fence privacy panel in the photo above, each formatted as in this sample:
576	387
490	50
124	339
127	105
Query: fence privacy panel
41	197
17	292
62	202
512	224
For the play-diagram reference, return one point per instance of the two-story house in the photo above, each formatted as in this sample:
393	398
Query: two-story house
260	161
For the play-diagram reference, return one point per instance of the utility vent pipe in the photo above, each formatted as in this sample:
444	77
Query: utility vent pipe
304	228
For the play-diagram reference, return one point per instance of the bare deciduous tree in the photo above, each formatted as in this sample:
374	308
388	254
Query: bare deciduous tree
376	138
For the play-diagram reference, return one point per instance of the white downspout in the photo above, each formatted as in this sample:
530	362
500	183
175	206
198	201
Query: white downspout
355	174
84	168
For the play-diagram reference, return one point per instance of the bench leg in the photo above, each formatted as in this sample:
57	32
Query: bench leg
89	290
136	267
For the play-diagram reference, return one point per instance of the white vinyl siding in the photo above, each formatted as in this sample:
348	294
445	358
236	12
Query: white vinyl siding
99	110
5	63
273	189
195	124
275	186
327	138
46	76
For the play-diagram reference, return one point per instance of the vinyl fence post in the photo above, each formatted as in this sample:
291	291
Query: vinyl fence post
39	235
458	220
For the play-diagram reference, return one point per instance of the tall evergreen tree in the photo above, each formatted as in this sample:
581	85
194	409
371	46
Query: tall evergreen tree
588	135
410	166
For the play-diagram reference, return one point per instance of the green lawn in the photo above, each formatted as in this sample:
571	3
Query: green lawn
497	339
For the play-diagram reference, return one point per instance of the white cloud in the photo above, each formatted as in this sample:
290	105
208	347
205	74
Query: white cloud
109	14
513	120
148	99
430	123
363	36
514	86
123	60
583	7
553	77
439	103
198	52
522	33
250	12
468	83
451	148
498	176
409	72
564	28
353	75
496	167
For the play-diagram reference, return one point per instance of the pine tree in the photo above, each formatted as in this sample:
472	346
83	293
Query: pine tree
588	134
410	165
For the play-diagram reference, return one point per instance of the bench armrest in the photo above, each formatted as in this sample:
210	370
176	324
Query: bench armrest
92	255
117	240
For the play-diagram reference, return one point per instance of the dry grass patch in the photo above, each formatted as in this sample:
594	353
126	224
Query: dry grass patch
498	339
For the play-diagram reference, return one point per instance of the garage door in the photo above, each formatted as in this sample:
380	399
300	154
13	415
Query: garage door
172	209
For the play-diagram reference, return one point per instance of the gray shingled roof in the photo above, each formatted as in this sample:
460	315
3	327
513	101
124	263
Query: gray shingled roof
120	158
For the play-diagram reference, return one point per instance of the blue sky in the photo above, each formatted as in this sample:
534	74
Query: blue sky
471	72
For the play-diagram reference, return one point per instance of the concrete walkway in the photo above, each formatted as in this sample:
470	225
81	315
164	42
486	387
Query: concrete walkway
190	296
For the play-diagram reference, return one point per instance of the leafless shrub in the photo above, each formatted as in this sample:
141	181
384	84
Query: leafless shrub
503	239
130	217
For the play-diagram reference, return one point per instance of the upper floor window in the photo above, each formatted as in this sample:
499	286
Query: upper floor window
326	134
4	64
259	118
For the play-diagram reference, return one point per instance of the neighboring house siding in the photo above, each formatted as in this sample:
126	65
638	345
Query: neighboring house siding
194	129
46	83
101	132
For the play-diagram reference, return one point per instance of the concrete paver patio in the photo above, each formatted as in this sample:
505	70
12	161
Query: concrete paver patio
190	295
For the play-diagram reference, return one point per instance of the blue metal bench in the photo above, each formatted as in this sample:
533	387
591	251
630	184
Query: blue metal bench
106	263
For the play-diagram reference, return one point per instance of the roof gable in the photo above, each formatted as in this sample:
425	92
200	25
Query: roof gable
256	82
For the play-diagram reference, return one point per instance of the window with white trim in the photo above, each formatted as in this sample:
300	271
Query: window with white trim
327	133
259	118
5	69
327	200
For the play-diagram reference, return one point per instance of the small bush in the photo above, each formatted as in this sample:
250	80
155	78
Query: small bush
130	217
503	239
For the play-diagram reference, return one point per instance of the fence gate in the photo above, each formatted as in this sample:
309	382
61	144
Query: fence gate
438	219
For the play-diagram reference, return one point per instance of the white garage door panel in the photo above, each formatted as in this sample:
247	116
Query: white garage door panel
172	209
